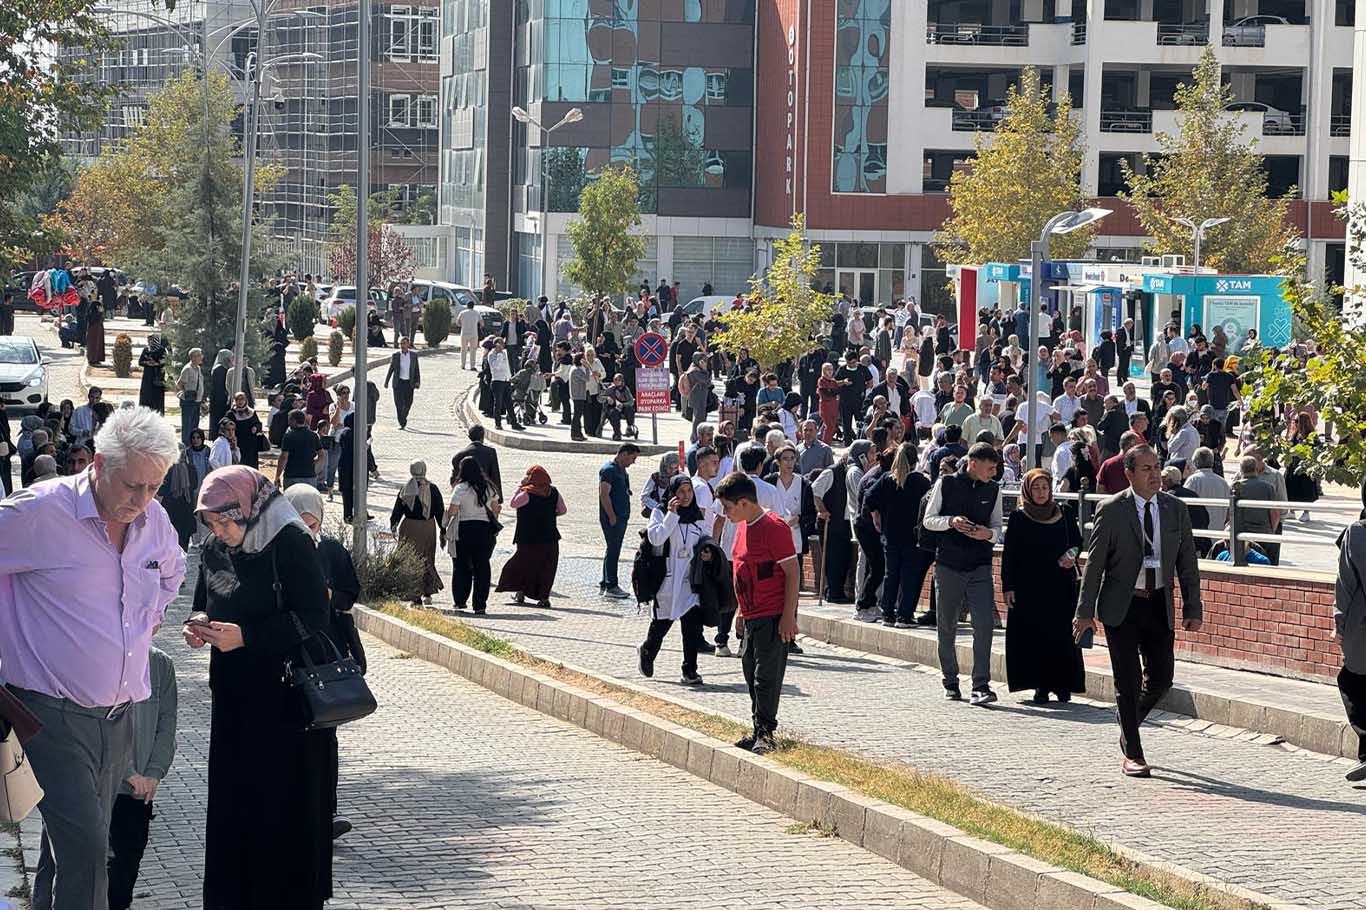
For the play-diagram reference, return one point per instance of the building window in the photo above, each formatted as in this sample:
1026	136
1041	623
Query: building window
862	36
426	110
427	35
398	109
402	33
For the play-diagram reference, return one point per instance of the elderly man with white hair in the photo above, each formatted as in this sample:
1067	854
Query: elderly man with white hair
91	562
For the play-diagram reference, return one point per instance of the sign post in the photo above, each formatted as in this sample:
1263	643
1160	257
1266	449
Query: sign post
652	379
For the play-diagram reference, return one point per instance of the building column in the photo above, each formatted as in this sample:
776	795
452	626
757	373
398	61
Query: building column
664	252
914	257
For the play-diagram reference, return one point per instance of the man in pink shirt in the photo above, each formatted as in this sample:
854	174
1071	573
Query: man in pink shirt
89	564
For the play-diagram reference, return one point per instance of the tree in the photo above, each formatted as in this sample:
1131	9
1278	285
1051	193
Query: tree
111	212
1028	172
1208	170
605	251
677	161
784	312
391	258
1331	381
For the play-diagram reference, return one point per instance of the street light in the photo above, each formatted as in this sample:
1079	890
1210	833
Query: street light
1061	223
1199	231
573	115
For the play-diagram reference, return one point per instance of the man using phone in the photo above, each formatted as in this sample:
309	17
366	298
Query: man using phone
1141	546
766	581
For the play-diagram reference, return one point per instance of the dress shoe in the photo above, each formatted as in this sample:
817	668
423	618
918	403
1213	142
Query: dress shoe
1357	774
1134	768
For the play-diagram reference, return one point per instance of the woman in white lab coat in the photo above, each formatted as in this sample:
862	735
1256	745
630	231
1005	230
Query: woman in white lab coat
679	525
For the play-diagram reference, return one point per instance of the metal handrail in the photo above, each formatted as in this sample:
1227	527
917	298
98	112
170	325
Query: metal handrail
1126	121
1340	125
1078	32
977	33
1182	33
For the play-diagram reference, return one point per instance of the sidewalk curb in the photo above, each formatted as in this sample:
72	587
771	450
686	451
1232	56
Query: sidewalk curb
1316	733
989	873
469	415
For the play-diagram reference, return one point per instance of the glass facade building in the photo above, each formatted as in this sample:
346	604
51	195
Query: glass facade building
863	32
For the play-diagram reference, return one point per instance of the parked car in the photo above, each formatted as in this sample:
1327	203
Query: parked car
344	295
1250	31
459	297
706	306
1275	122
23	373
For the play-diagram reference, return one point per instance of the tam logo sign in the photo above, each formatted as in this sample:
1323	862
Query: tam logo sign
1224	285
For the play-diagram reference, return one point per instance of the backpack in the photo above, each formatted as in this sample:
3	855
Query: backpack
648	569
926	539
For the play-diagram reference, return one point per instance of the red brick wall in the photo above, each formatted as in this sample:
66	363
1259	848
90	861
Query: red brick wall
1255	619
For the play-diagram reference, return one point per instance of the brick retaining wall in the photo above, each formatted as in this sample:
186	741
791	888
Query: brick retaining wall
1267	620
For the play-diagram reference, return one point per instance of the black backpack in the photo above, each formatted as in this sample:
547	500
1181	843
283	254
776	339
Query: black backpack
928	540
648	569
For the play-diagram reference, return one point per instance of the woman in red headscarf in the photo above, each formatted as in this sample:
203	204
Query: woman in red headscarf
531	570
268	837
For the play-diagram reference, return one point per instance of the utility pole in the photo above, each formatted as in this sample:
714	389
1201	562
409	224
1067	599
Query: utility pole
360	433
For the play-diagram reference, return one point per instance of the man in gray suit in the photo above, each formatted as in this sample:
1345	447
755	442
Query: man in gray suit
1141	547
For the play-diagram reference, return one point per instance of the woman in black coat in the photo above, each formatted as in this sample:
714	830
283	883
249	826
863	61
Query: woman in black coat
268	836
152	390
924	365
1039	583
218	390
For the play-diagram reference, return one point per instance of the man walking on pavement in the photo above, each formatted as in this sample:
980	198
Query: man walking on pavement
78	621
468	321
1141	546
500	375
406	374
485	454
190	390
614	509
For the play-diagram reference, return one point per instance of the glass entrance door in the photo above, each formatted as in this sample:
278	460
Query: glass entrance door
861	284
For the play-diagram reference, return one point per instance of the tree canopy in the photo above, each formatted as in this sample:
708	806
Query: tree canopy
605	250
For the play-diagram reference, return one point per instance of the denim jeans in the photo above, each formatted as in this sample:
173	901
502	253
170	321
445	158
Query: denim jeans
333	458
189	419
614	535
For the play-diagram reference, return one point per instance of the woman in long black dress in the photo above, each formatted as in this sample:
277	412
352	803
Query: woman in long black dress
1039	581
251	438
218	390
152	391
268	837
531	570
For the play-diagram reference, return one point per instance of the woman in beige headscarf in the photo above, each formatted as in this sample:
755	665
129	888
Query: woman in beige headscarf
415	520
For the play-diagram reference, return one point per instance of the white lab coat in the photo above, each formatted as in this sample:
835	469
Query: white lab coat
676	596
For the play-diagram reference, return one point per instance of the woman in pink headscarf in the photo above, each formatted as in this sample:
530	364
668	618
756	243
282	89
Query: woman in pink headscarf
259	596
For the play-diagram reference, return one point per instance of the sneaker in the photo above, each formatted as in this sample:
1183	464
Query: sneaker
724	651
903	624
953	693
746	743
867	615
982	697
616	593
926	619
794	648
460	606
889	623
706	647
646	663
691	679
764	744
340	826
1357	774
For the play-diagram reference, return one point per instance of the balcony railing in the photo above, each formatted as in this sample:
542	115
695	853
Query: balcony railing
1078	32
1245	36
1182	33
974	33
1280	123
1340	125
971	121
1126	121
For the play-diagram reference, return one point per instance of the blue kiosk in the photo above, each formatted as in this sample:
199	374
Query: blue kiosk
1236	302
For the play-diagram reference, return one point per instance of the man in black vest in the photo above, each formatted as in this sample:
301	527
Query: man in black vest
965	508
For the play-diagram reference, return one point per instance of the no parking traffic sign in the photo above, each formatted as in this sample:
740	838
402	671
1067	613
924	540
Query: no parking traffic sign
652	349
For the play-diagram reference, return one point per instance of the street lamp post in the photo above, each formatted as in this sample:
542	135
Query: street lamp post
573	115
1199	231
1062	223
360	431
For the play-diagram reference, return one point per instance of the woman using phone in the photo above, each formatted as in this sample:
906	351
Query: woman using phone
1039	582
675	530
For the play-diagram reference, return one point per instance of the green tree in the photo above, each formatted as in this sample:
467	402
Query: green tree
567	174
677	161
605	250
1027	172
1209	170
784	312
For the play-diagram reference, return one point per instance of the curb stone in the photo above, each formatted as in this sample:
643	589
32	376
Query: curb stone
468	415
991	874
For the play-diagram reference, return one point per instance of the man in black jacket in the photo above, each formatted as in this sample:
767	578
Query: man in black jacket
486	455
406	374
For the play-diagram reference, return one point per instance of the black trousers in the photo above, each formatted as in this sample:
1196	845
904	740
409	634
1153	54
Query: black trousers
500	395
403	400
592	416
870	542
723	628
691	627
847	412
471	569
6	475
811	402
1142	659
128	828
763	657
839	548
576	425
1352	688
907	565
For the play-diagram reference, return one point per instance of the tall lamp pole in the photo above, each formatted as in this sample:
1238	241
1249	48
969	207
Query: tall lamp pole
360	431
1062	223
573	115
1199	231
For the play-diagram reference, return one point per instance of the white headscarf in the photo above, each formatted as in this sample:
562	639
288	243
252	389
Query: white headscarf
417	489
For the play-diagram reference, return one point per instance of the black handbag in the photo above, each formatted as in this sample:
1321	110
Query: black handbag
328	694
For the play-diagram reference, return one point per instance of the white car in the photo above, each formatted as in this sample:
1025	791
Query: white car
23	373
1250	31
1275	122
344	295
706	306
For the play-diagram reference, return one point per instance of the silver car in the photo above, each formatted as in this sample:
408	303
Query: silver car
23	373
1250	31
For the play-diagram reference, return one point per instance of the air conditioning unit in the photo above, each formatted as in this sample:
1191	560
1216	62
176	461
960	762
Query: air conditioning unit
1173	261
1148	260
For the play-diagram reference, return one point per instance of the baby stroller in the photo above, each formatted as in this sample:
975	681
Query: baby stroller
527	387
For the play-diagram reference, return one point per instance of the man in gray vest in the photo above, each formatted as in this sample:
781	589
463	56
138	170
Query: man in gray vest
965	508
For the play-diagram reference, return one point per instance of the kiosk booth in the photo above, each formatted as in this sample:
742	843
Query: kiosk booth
1235	302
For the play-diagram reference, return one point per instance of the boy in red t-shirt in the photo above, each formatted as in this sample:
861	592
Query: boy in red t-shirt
766	581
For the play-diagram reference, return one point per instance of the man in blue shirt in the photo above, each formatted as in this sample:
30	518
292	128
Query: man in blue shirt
614	508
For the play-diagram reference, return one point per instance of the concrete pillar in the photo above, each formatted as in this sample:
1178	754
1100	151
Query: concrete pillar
1318	103
1142	84
664	247
914	258
1356	175
1145	10
906	102
1060	74
1244	85
1062	9
1090	105
1000	12
1030	11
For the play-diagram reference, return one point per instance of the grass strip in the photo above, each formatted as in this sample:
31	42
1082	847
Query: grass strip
930	795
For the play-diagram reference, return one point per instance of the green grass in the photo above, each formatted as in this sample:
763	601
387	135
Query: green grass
930	795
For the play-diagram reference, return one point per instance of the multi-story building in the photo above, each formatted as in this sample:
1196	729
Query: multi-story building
664	85
883	100
309	119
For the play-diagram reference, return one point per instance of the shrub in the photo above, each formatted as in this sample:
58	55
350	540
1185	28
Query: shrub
336	343
389	573
302	316
308	348
346	321
123	356
436	322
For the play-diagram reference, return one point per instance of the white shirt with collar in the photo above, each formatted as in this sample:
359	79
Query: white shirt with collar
1066	405
499	369
405	365
1141	505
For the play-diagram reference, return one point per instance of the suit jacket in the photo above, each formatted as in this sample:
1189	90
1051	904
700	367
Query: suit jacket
414	375
1115	559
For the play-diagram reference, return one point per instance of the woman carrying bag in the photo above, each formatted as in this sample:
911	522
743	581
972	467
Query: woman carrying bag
531	570
414	520
471	526
675	530
1039	582
260	595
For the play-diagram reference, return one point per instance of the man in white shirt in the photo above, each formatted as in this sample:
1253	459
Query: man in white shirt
1067	403
983	419
82	425
406	376
468	321
922	403
1045	329
500	385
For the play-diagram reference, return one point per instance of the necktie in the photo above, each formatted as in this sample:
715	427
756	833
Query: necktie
1149	573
